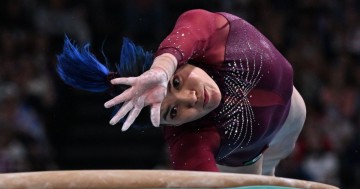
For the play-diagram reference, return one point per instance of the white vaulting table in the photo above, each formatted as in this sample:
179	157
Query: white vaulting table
109	179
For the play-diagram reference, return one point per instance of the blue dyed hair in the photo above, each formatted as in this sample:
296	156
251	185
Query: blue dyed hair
79	68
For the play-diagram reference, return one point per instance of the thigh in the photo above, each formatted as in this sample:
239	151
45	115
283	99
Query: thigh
255	168
284	142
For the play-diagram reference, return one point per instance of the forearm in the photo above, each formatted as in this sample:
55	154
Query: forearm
192	148
195	162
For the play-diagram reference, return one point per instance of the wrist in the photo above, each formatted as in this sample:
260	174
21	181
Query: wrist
166	62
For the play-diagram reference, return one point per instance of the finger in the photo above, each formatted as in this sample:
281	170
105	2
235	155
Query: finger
155	114
125	108
131	118
123	80
124	96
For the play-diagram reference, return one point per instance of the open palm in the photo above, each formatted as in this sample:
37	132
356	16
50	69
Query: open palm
147	89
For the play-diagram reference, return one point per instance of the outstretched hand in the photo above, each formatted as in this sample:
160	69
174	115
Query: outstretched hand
147	89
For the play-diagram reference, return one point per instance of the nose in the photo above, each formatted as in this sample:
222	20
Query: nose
187	98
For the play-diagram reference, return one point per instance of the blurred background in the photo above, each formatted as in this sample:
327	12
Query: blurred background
46	125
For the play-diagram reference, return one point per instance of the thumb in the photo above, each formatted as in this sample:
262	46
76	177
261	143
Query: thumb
155	114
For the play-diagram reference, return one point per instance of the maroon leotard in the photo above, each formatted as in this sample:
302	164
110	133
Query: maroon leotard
256	85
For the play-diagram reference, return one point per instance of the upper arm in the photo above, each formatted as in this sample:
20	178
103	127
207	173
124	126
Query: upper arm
190	36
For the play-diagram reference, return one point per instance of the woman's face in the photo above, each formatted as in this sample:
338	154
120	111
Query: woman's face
191	94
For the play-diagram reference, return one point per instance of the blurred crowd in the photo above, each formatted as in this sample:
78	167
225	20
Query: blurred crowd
321	39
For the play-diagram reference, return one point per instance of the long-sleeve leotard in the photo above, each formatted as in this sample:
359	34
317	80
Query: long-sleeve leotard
255	81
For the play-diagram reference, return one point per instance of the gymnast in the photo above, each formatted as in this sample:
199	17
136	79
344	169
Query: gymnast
221	91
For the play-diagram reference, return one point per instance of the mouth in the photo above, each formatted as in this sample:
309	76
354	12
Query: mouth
206	98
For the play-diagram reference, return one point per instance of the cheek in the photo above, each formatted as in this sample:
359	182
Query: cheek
194	79
202	77
191	115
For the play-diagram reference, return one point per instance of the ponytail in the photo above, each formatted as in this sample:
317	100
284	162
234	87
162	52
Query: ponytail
79	68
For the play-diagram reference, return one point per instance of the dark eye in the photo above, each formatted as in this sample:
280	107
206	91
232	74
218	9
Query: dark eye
176	82
173	112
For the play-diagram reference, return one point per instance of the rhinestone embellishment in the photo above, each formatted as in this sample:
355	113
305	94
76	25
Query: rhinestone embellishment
236	117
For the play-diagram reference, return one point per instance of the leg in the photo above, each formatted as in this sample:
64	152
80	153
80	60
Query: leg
255	168
284	142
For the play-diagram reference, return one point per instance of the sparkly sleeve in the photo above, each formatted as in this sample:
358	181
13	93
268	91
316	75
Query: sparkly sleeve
190	36
193	148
